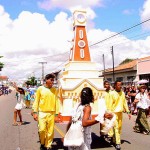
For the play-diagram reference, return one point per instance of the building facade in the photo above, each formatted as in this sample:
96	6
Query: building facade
3	80
131	72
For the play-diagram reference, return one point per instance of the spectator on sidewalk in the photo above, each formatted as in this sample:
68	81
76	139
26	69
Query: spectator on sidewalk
142	101
132	93
126	91
148	113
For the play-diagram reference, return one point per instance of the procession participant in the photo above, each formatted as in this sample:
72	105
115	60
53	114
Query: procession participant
107	95
45	108
20	104
32	95
107	98
27	97
85	116
142	101
119	105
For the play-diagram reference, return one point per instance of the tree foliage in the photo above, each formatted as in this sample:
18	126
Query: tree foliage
1	64
127	60
31	81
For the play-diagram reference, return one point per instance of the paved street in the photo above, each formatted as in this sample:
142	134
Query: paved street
25	137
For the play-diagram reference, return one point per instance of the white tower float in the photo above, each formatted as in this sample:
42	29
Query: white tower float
79	72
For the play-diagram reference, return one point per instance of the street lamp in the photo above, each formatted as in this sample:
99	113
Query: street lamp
43	70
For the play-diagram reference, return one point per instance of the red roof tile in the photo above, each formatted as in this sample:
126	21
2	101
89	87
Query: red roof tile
127	65
3	78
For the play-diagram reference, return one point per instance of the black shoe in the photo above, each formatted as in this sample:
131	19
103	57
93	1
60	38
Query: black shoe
146	132
111	141
136	129
118	147
42	147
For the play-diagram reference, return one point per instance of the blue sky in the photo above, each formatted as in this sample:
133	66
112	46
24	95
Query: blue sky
116	15
114	18
39	30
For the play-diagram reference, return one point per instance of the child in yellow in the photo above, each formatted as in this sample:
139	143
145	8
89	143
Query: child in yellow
118	106
108	101
44	109
107	95
107	98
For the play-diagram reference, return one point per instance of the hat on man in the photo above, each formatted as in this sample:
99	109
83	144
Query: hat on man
141	86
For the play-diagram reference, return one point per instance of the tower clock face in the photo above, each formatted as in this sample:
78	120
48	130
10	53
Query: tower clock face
81	18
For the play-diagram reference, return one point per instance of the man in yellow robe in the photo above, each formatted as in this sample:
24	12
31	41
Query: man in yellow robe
118	106
45	108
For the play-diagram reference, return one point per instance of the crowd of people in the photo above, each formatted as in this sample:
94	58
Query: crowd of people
131	92
118	100
4	90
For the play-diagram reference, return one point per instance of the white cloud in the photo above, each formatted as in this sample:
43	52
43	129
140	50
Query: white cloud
31	38
69	4
4	17
145	14
74	5
122	46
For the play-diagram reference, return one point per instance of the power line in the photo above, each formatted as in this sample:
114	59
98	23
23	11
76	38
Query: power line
7	64
52	56
120	32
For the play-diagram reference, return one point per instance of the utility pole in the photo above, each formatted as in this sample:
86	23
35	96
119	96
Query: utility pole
42	69
104	65
112	52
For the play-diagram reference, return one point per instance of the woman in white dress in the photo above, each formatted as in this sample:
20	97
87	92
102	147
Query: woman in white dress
20	104
87	121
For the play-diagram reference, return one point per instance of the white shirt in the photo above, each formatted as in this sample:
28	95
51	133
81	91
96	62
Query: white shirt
143	100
